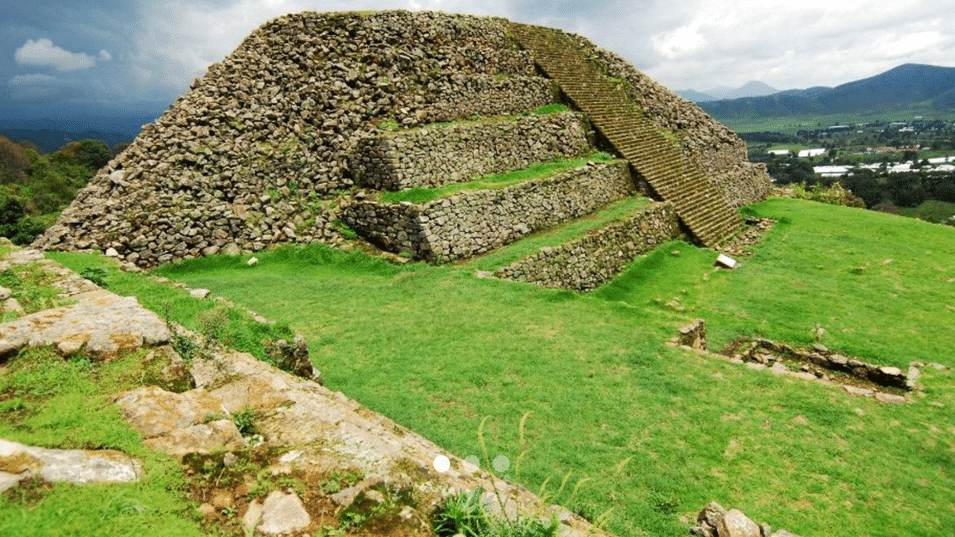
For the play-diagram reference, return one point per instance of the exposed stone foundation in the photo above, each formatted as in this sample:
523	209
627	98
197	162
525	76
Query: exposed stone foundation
588	262
475	222
440	155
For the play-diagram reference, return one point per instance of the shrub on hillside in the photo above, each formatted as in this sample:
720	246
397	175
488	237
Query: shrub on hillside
833	195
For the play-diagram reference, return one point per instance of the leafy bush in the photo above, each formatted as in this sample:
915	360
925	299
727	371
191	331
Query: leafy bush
833	195
35	188
97	275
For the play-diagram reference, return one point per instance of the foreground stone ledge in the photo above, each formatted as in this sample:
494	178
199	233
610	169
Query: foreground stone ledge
325	430
101	324
19	462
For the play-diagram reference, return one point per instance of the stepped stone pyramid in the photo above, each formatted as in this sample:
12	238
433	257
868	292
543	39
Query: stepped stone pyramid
295	134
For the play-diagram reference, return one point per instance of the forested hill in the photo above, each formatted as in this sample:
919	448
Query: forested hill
905	86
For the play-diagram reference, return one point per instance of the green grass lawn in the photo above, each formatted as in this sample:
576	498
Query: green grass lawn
643	432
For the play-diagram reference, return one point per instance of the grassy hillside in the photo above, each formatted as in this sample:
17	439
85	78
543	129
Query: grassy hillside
638	431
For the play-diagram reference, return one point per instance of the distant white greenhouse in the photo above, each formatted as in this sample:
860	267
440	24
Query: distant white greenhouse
806	153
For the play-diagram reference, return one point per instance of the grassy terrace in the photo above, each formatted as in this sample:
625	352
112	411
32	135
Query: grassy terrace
643	432
491	182
558	235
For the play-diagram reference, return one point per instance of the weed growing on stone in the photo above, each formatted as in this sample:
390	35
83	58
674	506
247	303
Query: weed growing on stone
466	514
245	421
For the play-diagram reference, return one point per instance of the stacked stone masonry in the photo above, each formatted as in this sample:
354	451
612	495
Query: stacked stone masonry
654	154
254	154
440	155
257	152
711	145
475	222
595	259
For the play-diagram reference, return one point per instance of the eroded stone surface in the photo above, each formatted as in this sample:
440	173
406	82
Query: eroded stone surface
18	461
190	422
283	513
736	524
101	324
329	431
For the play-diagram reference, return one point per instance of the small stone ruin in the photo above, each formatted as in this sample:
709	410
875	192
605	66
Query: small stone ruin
715	521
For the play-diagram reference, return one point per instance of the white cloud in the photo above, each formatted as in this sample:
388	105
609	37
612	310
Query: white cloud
682	41
43	53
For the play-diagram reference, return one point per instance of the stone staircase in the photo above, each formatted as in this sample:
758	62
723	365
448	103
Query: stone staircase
702	208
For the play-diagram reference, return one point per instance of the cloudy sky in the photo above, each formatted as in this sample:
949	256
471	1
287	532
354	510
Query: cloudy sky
125	54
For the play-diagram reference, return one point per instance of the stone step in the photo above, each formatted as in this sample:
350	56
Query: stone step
701	206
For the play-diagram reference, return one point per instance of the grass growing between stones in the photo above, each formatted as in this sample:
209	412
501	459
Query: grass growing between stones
625	428
493	182
49	402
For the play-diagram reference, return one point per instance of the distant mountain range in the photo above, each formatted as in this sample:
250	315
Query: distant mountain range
51	129
750	89
905	86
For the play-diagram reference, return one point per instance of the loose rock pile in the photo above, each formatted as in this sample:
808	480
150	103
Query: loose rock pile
768	353
715	521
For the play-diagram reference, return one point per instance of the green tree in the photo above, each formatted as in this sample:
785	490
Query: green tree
905	189
13	161
90	154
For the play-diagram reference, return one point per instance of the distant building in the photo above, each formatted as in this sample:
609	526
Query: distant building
780	152
806	153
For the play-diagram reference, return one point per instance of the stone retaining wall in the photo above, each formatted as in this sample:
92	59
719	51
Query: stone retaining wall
475	222
441	155
600	256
